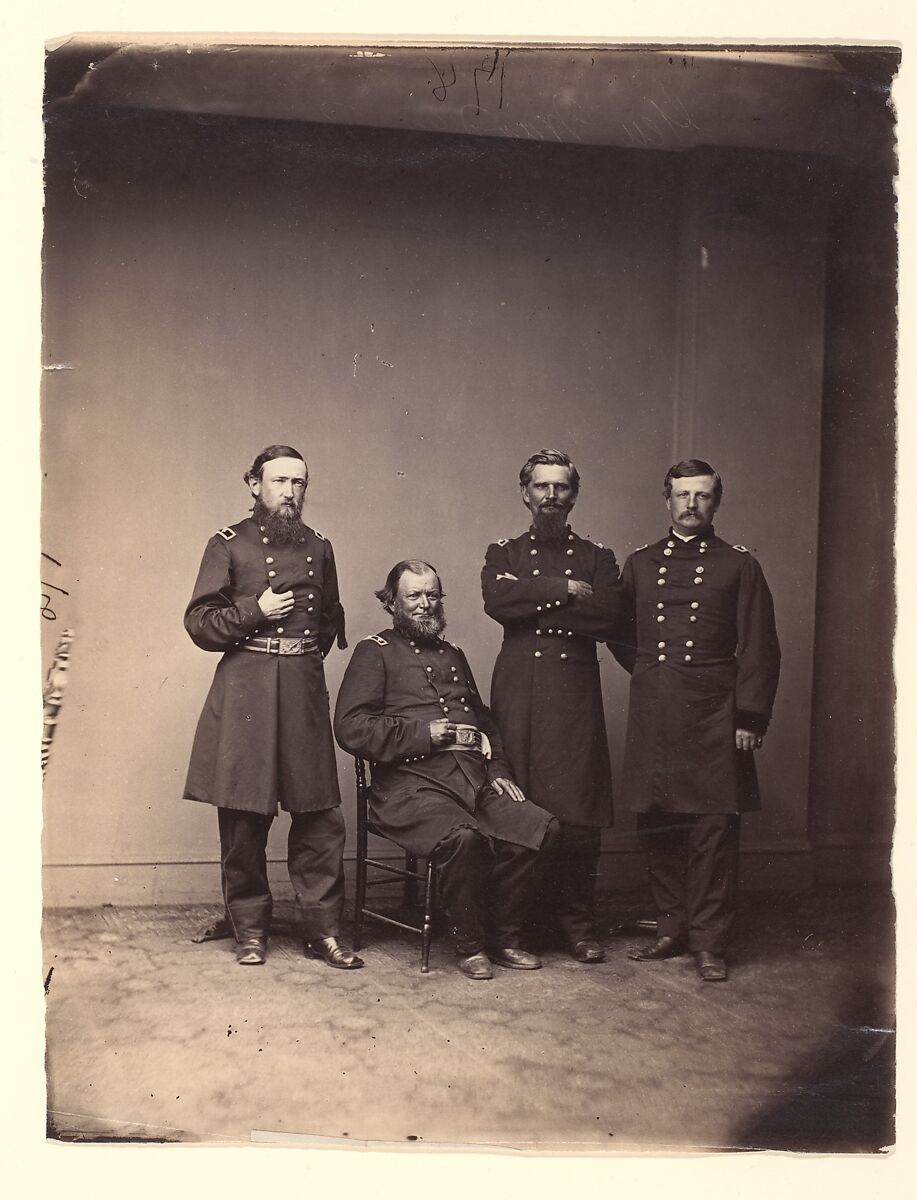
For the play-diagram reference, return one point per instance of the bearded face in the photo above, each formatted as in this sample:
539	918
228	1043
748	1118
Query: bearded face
549	496
417	611
279	496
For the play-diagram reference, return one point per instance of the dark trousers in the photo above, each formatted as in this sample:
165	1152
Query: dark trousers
693	870
315	849
487	886
567	897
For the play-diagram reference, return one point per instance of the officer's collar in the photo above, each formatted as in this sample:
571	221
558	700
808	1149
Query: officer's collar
706	534
419	643
535	536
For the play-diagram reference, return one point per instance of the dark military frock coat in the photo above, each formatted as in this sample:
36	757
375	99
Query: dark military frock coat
546	693
392	689
264	736
700	640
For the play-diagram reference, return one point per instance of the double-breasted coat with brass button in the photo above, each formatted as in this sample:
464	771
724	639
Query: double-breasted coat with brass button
546	693
264	736
391	691
700	640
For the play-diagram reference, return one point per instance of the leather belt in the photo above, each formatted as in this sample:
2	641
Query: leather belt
280	645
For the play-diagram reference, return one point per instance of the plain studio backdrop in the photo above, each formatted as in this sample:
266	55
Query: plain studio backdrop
418	267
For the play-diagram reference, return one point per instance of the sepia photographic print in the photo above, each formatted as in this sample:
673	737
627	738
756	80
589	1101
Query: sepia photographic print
372	281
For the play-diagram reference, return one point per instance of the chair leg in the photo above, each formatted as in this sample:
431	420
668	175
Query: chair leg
359	902
410	885
427	934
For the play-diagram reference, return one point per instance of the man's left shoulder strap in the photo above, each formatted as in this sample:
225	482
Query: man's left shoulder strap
742	549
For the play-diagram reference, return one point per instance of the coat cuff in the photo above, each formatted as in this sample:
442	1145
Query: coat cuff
753	722
250	614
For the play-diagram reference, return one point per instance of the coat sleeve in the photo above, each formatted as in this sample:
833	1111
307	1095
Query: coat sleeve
508	600
623	643
597	616
497	767
757	650
332	624
214	620
362	726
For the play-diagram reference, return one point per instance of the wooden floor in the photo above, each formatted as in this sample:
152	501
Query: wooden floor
151	1037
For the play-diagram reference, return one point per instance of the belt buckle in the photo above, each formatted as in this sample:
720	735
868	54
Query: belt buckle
270	647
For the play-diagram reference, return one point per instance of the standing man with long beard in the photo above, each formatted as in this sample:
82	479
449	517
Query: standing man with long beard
556	595
441	787
267	598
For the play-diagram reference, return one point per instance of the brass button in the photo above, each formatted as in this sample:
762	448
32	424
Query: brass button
568	571
690	645
310	609
660	605
695	604
536	572
687	658
266	541
698	579
280	629
311	596
662	570
306	632
308	558
667	553
537	608
570	551
268	560
563	656
533	551
699	570
311	572
271	574
660	617
661	645
661	582
692	618
662	658
538	654
670	544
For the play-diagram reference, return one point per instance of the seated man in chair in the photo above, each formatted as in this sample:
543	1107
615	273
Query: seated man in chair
440	785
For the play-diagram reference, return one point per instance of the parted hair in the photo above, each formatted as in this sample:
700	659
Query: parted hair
386	594
256	470
688	468
549	458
